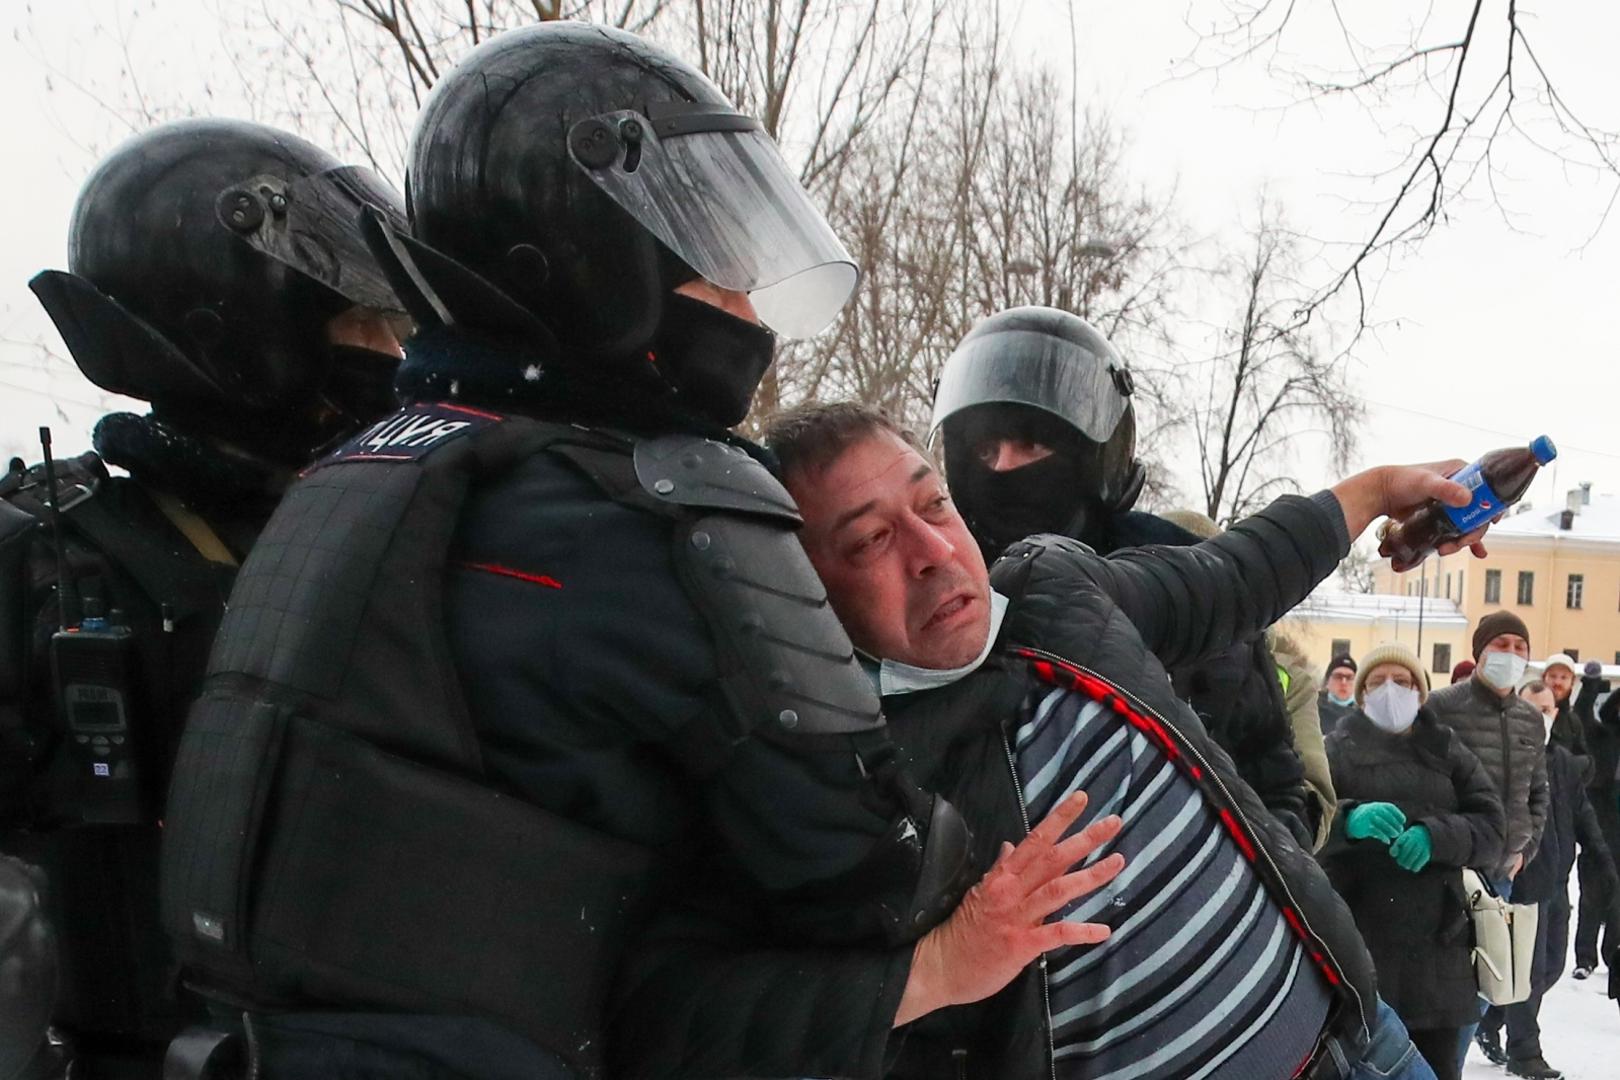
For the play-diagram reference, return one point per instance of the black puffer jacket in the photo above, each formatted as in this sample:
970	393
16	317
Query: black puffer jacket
707	995
1507	734
1416	925
1236	694
1570	821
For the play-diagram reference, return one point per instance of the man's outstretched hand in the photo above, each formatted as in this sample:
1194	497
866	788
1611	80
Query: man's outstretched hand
1397	490
1001	927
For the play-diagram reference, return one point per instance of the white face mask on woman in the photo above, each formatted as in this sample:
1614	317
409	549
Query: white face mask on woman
1503	670
1391	706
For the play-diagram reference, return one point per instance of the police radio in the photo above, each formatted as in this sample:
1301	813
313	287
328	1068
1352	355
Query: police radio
93	669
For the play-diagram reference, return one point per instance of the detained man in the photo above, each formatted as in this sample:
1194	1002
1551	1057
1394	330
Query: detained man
1220	949
1229	952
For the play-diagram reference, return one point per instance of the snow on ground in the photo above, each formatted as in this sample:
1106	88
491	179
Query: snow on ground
1580	1032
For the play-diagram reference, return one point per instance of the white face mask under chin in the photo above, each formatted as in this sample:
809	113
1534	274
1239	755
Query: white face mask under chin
1391	706
1502	670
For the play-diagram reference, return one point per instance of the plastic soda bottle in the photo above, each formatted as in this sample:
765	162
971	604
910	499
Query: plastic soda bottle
1498	480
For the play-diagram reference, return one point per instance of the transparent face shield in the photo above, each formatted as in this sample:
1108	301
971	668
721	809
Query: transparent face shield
313	226
1021	367
713	188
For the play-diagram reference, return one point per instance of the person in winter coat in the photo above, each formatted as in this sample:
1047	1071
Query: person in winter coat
1228	951
1545	883
1600	904
1415	806
1559	676
1338	698
1507	735
1461	670
1035	419
1304	709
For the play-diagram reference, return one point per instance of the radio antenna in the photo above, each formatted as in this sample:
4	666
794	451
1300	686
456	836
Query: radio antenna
64	580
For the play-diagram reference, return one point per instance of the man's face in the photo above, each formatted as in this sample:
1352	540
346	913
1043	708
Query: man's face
1340	682
1509	643
901	569
1544	702
1560	680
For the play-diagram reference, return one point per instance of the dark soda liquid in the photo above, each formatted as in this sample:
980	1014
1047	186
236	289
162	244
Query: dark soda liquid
1499	479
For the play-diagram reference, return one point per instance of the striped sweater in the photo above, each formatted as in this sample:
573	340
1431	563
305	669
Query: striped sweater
1201	976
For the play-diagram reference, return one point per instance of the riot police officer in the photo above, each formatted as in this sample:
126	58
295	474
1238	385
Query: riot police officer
510	665
216	271
1039	433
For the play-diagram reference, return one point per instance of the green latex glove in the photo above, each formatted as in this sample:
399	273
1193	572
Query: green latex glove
1374	821
1413	849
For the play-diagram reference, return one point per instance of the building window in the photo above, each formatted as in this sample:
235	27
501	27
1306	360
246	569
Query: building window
1527	587
1573	654
1572	595
1617	656
1493	586
1448	586
1341	647
1442	659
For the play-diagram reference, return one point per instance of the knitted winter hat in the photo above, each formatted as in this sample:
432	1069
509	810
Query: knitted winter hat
1498	622
1392	654
1340	662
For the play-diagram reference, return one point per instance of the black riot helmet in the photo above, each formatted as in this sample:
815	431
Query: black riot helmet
1045	376
564	179
205	258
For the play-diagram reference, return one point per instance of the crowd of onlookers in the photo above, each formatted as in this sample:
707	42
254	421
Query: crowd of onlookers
1506	771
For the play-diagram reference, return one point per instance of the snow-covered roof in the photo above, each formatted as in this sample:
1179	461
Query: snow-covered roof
1336	605
1598	521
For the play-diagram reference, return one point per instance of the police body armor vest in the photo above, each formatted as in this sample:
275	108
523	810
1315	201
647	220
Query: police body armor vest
85	810
330	836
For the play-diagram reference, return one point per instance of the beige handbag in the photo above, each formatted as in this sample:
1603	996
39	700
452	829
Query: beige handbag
1504	942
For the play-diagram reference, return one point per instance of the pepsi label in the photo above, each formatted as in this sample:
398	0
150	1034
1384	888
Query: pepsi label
1482	509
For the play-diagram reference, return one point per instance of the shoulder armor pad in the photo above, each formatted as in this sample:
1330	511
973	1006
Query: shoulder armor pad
687	470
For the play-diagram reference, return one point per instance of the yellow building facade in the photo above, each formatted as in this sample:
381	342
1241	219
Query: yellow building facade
1330	623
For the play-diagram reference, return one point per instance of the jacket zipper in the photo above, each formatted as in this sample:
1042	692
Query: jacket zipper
1046	988
1237	815
1507	771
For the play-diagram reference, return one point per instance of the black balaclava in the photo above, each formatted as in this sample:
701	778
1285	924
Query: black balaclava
360	385
1057	494
712	359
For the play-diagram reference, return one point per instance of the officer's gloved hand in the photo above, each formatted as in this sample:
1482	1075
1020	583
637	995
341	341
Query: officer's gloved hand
1374	821
1413	849
27	967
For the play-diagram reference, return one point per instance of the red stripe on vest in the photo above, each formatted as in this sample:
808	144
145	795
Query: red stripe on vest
468	411
507	571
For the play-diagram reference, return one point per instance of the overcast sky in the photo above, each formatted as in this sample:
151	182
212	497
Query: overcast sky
1491	334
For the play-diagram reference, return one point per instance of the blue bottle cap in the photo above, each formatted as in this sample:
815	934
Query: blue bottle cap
1544	449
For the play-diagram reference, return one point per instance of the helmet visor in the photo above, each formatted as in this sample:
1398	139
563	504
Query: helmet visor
713	188
312	225
1021	367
